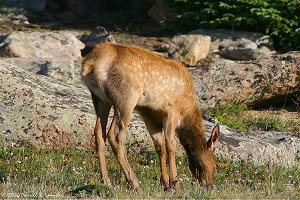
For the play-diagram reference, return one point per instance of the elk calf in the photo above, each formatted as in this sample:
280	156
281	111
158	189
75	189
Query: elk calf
128	78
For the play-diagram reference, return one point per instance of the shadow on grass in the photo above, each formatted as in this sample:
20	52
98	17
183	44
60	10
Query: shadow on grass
101	190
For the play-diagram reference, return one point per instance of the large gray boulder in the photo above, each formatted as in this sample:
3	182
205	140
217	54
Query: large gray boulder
55	54
41	112
268	80
281	148
241	53
14	18
59	69
189	49
42	44
238	45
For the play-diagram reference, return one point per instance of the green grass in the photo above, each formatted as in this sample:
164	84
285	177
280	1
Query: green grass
269	122
70	173
236	117
230	115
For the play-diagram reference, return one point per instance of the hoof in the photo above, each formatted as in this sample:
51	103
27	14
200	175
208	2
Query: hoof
106	182
138	190
173	186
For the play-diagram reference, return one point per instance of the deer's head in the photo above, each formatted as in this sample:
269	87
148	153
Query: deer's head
202	163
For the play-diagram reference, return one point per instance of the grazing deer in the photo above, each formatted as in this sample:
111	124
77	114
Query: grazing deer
128	78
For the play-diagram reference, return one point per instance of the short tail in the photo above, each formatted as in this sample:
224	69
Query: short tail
87	67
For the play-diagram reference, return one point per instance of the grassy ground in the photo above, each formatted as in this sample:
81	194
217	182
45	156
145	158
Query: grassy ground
239	117
69	173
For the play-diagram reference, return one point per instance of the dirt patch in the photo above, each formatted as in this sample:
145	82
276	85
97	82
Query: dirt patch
54	137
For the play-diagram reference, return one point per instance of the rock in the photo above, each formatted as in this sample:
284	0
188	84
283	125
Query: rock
38	111
59	69
189	49
157	44
33	5
41	112
98	35
238	45
161	10
42	44
161	47
241	53
56	53
261	148
265	81
14	18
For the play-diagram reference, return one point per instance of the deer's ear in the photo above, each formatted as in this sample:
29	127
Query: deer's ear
215	134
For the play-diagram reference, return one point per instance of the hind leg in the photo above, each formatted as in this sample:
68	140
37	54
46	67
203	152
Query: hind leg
116	136
102	111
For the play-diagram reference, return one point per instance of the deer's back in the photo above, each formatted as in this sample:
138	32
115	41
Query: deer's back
119	73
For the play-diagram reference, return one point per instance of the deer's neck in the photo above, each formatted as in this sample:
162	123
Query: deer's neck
191	133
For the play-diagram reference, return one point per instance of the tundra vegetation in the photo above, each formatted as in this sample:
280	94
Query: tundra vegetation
68	173
240	117
28	172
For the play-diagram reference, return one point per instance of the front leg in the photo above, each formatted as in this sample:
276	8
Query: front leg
169	130
155	130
